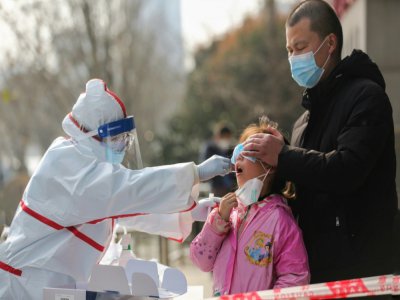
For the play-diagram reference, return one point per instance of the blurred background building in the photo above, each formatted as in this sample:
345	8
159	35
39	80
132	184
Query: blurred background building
164	20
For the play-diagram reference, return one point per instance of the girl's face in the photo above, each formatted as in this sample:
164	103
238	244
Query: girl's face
246	169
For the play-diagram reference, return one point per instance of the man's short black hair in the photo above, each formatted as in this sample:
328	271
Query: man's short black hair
323	20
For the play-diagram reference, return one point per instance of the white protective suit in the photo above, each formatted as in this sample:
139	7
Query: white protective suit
177	226
65	219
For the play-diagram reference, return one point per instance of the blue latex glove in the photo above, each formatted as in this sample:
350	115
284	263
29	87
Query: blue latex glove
214	166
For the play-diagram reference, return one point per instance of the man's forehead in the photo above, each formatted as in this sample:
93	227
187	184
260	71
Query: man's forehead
300	32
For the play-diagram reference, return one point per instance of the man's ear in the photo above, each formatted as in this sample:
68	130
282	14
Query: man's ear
332	42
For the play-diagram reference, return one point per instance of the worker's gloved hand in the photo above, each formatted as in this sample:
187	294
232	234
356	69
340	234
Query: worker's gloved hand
203	208
215	165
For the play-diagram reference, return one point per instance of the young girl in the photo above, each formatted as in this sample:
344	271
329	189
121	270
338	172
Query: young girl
251	241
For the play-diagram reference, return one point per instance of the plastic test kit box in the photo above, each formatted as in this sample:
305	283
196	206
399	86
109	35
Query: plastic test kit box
139	280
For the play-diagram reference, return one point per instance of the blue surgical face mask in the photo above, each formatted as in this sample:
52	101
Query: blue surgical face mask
114	157
115	148
305	70
237	151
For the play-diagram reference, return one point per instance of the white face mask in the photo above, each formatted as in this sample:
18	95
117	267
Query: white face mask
224	144
251	190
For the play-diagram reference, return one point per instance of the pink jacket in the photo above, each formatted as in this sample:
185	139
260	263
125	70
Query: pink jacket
268	251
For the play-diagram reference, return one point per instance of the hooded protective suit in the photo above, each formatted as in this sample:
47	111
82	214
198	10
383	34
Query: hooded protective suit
65	219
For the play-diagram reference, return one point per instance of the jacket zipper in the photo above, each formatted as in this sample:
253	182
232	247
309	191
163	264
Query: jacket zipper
241	223
237	245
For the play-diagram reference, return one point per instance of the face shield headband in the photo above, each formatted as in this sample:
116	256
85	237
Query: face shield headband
115	128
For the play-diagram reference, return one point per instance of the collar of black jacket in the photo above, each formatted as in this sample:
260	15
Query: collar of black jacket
357	65
315	97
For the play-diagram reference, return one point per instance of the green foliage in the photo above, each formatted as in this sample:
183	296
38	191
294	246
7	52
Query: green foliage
238	78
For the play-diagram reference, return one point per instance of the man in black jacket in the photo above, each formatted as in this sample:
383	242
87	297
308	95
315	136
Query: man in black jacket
342	156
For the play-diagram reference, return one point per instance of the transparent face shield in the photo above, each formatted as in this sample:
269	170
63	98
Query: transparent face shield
121	143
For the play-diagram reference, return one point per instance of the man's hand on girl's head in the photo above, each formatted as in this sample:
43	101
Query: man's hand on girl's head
264	146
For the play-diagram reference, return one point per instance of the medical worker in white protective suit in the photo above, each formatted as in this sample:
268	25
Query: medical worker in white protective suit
65	218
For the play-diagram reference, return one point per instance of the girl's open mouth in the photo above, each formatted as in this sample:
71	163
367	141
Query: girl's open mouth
238	170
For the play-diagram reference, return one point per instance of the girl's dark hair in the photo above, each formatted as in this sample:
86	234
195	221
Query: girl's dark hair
280	186
322	17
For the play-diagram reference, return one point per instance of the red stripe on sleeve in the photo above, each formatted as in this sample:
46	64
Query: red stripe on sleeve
85	238
39	217
56	226
10	269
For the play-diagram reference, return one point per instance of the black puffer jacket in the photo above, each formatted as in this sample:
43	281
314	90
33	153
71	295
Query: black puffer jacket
342	160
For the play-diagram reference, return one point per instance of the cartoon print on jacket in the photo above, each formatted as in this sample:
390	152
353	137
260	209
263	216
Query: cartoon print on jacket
259	249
